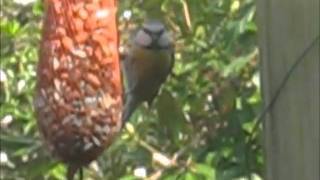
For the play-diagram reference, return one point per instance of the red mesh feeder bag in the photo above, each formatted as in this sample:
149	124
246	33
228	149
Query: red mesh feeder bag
79	93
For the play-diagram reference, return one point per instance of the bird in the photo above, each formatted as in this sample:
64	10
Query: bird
147	64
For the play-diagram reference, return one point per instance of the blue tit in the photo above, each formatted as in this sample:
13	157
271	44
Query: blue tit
149	61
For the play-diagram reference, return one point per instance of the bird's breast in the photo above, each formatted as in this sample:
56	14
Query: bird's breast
149	62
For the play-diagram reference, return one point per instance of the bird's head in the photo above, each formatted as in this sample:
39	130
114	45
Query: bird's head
153	35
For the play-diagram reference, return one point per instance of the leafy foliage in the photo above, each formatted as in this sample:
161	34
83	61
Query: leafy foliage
200	124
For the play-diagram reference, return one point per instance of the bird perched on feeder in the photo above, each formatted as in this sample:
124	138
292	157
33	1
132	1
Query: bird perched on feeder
147	64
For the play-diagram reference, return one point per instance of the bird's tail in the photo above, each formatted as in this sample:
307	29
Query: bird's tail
71	171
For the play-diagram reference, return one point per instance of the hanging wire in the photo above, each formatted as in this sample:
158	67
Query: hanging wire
284	81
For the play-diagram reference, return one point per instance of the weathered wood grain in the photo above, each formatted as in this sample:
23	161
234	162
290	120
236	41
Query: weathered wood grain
291	128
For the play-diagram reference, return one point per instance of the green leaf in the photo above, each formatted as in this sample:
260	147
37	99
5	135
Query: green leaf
37	8
10	27
238	64
190	176
59	172
129	177
14	143
229	173
205	170
251	27
37	167
170	114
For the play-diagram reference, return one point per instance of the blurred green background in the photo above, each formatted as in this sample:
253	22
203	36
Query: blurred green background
200	126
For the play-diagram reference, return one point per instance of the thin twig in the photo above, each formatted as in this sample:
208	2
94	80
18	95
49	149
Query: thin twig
186	14
148	147
183	150
155	175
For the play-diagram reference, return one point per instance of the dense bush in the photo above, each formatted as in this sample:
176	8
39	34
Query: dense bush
200	124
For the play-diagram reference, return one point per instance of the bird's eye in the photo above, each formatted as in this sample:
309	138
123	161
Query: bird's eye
150	32
159	33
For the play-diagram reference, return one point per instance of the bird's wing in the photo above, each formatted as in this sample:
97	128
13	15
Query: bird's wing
129	74
131	78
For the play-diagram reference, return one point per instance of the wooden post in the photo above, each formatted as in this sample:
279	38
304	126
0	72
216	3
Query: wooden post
291	128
